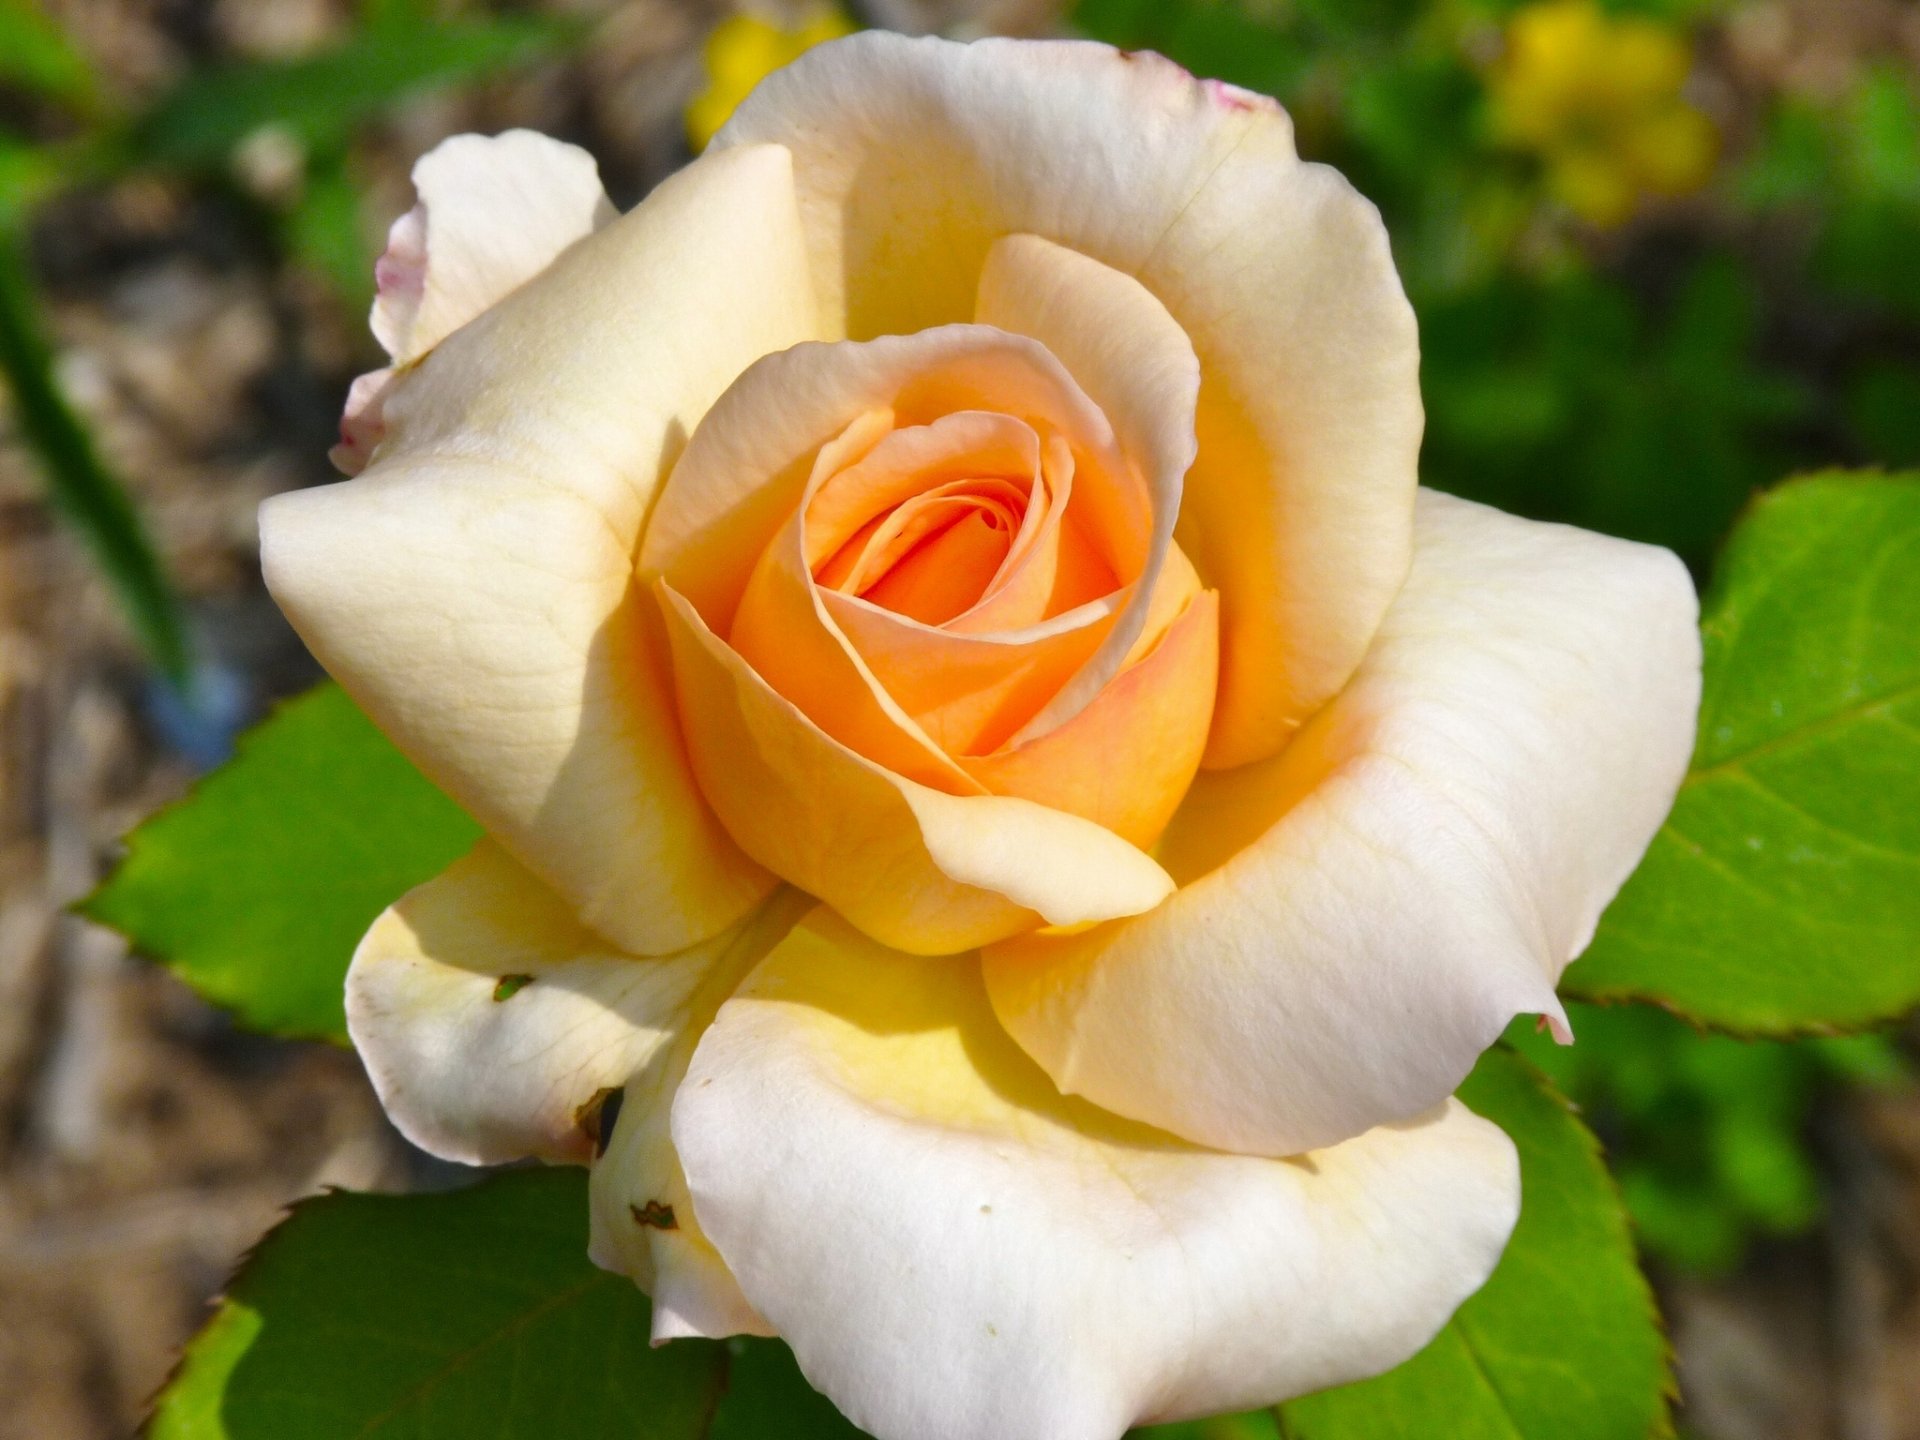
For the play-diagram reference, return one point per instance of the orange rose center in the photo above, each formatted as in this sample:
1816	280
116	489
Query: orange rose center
953	562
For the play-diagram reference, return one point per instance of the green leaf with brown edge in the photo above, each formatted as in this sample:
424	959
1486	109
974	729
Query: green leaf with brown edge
1783	894
1563	1343
256	888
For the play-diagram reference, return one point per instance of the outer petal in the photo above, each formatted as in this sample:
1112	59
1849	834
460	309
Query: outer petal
493	213
915	156
956	1252
930	872
494	1026
474	592
1361	916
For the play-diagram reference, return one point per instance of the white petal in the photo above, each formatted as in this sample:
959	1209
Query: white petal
473	590
1361	916
915	156
493	212
955	1252
494	1026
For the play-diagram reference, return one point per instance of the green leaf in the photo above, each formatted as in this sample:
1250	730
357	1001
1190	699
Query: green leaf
477	1312
1780	894
325	231
768	1397
81	487
256	888
320	99
469	1313
1706	1128
1563	1343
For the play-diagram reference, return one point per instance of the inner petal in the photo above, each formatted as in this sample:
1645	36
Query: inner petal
996	507
967	450
888	540
961	546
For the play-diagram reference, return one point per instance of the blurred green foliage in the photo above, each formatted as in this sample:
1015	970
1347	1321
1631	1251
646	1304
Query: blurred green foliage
60	126
1707	1133
82	489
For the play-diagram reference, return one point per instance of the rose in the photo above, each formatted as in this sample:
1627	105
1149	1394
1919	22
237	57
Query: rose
985	752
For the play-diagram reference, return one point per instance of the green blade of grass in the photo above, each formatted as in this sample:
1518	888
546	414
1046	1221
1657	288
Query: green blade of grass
321	99
78	482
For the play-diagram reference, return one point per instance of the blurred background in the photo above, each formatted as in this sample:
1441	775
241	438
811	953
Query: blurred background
1663	253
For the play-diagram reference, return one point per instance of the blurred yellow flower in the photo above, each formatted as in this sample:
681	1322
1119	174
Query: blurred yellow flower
742	51
1598	98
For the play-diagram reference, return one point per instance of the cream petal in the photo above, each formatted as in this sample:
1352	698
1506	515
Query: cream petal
495	1026
1361	916
956	1252
493	212
915	157
473	590
930	872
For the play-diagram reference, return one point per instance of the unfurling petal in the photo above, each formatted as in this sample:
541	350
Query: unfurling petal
1132	359
493	212
955	1252
473	591
1361	916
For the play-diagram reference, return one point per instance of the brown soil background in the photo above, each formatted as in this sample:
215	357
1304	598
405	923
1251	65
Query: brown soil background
144	1141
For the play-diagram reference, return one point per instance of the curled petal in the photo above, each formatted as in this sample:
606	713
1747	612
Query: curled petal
785	630
363	425
957	1252
929	872
1361	916
473	590
492	213
916	157
748	468
1126	760
1121	346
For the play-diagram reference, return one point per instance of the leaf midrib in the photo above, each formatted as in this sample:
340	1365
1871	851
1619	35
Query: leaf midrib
461	1359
